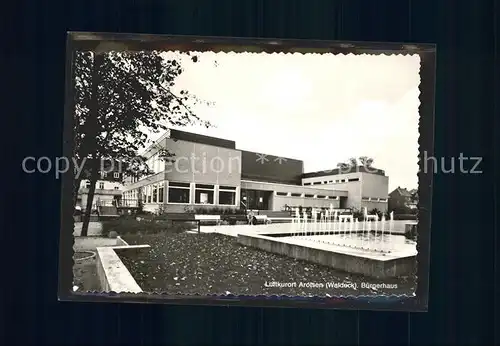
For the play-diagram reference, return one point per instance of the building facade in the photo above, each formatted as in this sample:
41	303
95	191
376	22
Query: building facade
108	191
208	172
365	187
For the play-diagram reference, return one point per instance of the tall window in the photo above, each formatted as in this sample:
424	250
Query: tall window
204	194
101	185
227	195
155	193
160	192
178	192
87	184
148	194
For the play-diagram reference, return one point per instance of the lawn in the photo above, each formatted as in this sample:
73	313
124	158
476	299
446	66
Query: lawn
211	263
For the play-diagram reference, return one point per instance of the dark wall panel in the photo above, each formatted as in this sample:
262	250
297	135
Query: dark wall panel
269	168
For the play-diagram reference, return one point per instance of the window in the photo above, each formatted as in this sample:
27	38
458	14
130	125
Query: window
204	194
317	183
365	198
160	192
148	194
117	188
101	185
353	179
296	195
320	196
309	196
227	195
178	192
307	183
332	197
155	193
87	184
116	175
281	194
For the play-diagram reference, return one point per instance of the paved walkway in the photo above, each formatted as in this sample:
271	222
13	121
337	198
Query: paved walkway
95	229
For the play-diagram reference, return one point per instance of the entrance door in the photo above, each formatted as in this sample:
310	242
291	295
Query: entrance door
255	199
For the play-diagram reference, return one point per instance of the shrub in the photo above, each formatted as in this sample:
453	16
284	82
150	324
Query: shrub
357	214
146	226
411	232
218	211
405	217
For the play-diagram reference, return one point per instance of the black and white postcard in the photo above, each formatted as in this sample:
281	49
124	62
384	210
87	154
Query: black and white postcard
244	169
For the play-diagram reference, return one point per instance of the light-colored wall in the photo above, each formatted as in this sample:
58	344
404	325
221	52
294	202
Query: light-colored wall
108	185
352	188
203	164
200	163
254	185
369	185
374	186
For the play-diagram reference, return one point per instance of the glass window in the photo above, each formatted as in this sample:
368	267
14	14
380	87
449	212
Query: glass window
101	185
178	192
204	194
160	192
148	194
227	195
155	193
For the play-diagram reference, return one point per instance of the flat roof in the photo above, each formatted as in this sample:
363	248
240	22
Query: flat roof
338	171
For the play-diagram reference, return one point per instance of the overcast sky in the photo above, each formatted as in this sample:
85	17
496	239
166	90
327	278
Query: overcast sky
321	109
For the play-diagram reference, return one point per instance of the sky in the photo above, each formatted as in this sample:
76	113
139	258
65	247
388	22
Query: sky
321	109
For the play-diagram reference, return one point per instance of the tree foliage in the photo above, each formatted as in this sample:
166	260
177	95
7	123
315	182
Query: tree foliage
356	161
120	96
134	93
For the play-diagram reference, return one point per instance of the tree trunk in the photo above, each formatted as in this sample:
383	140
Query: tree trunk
94	175
76	188
93	121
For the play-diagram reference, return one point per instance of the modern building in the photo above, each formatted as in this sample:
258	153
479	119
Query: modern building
209	172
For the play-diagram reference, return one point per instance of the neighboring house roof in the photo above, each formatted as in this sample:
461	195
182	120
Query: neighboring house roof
402	192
